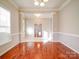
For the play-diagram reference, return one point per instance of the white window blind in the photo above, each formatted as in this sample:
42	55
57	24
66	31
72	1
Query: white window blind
4	26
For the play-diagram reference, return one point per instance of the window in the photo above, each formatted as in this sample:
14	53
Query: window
4	20
4	26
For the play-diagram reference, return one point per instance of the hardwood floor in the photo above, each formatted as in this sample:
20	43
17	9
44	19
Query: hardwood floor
39	50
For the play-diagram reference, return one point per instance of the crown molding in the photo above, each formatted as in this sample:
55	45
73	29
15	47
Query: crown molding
37	10
14	4
32	17
45	10
64	4
40	10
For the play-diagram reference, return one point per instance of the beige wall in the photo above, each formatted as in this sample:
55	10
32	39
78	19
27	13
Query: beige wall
56	22
69	25
69	18
14	26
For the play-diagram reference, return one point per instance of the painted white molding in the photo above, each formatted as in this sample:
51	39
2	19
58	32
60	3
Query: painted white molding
37	10
68	34
69	47
14	4
16	34
55	32
8	49
38	40
64	5
45	10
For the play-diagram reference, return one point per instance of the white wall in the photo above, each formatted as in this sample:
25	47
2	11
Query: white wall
69	25
14	26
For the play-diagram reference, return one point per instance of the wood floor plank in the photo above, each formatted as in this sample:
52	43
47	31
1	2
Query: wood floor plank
40	50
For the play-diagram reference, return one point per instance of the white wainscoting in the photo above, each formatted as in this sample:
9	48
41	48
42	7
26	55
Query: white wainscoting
70	40
9	45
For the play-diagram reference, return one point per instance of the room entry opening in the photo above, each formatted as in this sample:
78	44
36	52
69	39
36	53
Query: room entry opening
40	28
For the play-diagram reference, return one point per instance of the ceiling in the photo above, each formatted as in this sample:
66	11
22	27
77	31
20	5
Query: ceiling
29	4
42	15
28	8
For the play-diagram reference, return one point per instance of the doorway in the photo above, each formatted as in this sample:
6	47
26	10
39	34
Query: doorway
38	28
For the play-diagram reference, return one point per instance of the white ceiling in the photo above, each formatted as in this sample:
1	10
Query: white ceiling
51	4
28	8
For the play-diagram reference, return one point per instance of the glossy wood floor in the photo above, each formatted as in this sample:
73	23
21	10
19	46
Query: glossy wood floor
39	50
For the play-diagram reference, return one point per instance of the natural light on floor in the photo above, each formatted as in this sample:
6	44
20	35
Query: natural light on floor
46	36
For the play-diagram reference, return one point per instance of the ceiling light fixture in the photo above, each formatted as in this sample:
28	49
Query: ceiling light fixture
36	3
45	0
40	2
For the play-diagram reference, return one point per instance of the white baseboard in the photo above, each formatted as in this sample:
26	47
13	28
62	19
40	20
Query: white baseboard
69	47
8	49
68	39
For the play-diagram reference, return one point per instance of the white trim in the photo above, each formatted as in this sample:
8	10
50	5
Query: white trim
2	43
14	4
8	49
64	4
39	40
55	32
68	34
69	47
37	10
15	34
46	10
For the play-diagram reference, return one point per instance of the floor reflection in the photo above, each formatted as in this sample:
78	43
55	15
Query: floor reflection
40	50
